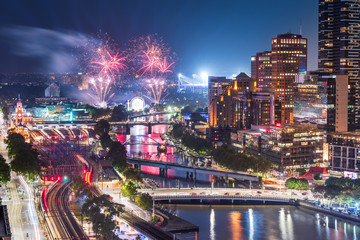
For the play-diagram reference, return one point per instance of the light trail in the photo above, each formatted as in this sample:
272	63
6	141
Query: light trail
31	208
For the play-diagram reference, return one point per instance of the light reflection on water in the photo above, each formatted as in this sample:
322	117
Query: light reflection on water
150	152
265	222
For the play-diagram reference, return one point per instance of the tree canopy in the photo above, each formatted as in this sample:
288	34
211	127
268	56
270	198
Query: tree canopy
24	156
117	156
129	190
101	127
297	184
4	170
144	200
119	113
233	160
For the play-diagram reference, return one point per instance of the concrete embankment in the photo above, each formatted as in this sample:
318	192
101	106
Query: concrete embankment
330	212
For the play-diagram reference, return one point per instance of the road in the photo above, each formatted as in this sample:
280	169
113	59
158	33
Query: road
64	223
295	194
23	218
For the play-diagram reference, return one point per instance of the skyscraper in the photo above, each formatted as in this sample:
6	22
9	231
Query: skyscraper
277	69
339	49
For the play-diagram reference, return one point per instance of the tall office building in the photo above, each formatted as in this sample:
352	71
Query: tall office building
277	68
261	69
339	48
288	58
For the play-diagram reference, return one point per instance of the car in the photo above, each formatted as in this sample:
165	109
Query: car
226	193
304	193
237	194
193	194
258	192
202	193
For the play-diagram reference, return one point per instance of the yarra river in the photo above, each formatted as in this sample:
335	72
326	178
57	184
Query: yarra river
235	222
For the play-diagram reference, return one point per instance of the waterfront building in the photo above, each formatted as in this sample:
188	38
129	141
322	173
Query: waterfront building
344	151
339	48
292	145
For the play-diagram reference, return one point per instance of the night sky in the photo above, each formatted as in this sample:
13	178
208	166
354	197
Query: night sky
213	36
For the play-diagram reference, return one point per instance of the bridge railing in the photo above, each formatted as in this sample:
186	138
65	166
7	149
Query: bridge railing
230	197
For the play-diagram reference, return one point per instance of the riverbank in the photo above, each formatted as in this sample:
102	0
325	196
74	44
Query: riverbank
307	205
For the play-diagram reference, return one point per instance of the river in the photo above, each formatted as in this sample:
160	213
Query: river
265	222
233	222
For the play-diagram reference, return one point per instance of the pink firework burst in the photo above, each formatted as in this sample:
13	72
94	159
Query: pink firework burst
151	62
109	63
164	66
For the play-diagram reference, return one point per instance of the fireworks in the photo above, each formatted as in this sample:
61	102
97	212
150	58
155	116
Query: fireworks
109	63
105	67
147	59
156	89
154	68
102	88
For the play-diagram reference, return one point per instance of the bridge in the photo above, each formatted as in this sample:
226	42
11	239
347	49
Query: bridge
164	166
152	114
134	140
61	124
225	198
222	196
128	125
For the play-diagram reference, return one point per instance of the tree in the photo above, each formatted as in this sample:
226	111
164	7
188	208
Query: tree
229	158
177	131
4	170
333	191
24	156
301	171
129	190
26	162
297	184
119	113
291	183
102	127
80	188
117	155
317	176
105	141
15	142
131	174
100	211
187	110
144	200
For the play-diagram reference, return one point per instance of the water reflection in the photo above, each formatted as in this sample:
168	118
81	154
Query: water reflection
251	224
212	224
266	222
235	225
142	145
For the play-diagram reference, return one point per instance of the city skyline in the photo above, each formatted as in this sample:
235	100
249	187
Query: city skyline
225	51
